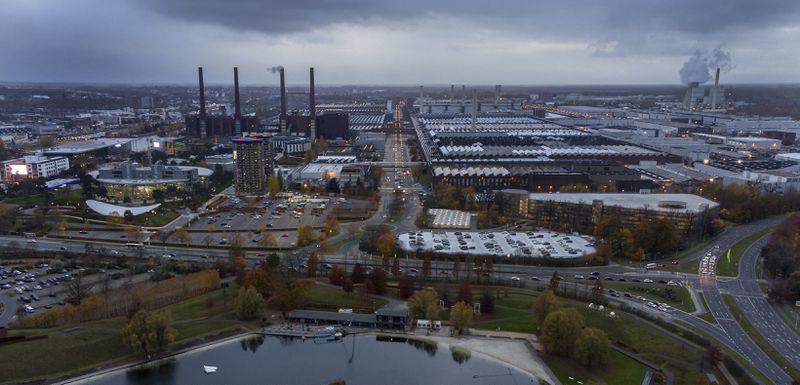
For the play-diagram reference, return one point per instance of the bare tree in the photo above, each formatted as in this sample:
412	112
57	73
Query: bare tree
78	289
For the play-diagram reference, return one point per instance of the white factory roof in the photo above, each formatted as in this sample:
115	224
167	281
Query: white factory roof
322	168
793	156
450	219
335	159
658	202
103	208
80	147
471	171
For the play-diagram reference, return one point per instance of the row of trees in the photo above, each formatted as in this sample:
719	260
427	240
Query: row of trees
782	259
562	332
424	304
275	285
124	301
741	203
655	238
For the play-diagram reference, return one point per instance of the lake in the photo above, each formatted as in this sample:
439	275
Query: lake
360	360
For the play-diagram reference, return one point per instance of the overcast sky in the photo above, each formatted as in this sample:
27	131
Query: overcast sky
397	41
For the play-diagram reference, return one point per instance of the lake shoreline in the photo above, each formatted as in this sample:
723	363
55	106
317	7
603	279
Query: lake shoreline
506	352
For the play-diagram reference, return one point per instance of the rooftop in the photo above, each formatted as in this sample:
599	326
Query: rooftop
658	202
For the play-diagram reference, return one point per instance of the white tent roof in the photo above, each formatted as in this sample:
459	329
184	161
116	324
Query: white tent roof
103	208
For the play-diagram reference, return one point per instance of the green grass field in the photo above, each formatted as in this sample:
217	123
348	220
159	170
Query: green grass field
74	348
336	297
618	370
730	268
681	299
624	331
707	315
65	197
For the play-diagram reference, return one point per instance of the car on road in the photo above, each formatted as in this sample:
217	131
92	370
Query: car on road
578	276
327	266
516	279
647	280
535	278
672	283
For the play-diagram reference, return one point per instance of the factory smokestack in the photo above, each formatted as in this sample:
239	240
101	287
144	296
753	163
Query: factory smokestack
237	115
496	94
202	103
474	110
463	94
312	106
282	117
452	92
716	89
420	92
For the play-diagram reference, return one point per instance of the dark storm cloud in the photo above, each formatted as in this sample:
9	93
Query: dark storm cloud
405	41
625	21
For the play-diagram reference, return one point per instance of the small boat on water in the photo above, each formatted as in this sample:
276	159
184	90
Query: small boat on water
209	369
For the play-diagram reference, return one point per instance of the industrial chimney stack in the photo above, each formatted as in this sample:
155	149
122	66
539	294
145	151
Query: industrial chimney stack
282	118
312	107
452	92
463	94
237	115
420	92
496	94
716	89
202	103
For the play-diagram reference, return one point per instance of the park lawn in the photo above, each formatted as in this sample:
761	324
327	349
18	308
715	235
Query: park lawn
62	353
71	197
221	302
681	299
690	267
336	297
78	347
626	331
157	219
707	315
730	268
196	329
618	370
758	338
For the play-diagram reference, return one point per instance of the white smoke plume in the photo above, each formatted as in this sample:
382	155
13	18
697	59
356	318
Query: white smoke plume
275	70
701	65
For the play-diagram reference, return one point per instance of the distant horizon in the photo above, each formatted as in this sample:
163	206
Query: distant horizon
442	85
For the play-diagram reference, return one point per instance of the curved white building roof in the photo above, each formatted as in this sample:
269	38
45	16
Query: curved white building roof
103	208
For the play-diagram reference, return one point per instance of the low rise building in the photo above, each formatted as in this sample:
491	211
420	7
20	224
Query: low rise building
130	181
580	211
34	167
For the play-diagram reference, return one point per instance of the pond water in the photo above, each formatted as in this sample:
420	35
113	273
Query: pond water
360	360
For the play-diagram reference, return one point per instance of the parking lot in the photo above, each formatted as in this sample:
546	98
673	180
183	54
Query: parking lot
285	213
284	238
40	286
532	244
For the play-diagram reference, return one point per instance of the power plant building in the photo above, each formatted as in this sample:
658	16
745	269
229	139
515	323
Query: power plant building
219	128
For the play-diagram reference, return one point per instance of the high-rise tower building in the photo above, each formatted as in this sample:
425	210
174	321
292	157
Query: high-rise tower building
253	165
